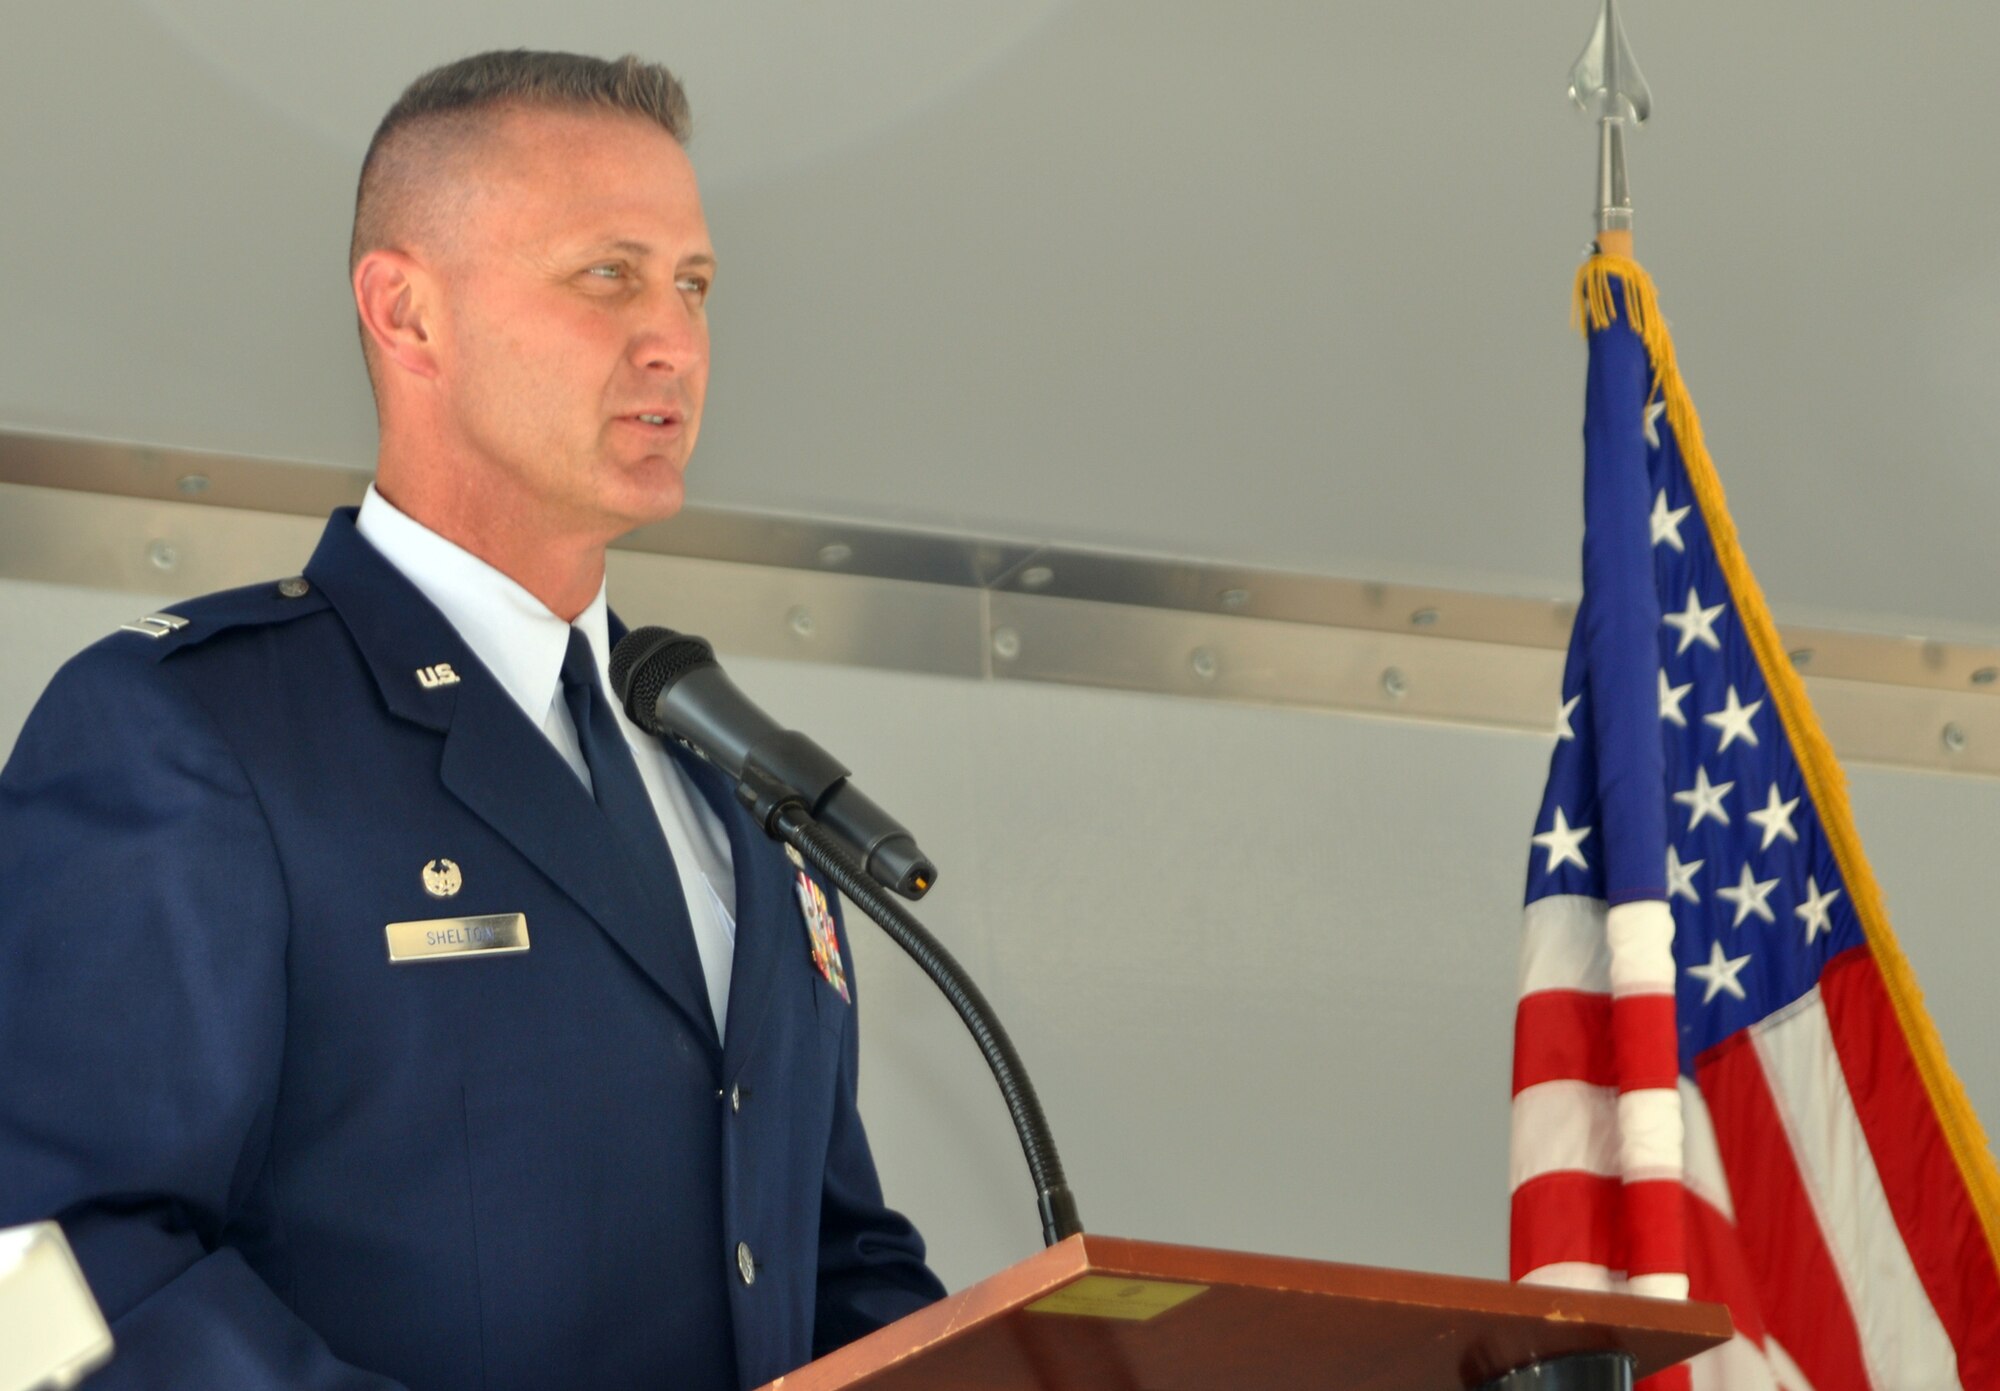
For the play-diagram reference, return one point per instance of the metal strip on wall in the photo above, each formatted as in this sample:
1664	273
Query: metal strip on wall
158	521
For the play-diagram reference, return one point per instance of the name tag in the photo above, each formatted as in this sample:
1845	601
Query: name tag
497	934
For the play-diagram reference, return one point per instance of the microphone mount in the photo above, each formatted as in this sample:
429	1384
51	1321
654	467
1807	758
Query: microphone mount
783	778
794	825
671	685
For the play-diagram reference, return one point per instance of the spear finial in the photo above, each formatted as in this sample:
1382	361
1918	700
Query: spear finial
1606	83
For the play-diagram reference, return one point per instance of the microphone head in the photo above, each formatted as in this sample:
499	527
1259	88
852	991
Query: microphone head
646	662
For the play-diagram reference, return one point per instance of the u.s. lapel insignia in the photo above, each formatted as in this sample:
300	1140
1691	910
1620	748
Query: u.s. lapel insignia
431	677
442	879
823	936
792	854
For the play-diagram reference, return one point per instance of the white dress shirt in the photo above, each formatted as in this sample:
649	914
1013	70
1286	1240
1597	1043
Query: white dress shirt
523	644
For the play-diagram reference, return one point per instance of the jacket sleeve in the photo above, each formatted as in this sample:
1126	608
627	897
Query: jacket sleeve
143	928
871	1259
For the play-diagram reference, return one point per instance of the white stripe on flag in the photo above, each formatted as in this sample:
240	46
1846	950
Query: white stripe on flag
1576	1275
1642	948
1704	1177
1563	946
1561	1126
1903	1344
1649	1127
1661	1286
1737	1365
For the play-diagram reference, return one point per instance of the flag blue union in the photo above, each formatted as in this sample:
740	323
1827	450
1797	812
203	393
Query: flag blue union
1724	1079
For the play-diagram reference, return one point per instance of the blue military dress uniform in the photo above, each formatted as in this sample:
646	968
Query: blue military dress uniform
284	1158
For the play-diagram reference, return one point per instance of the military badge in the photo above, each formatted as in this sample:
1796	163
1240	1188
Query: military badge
442	879
823	936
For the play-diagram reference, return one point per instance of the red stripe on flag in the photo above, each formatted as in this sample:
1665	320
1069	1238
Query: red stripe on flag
1790	1267
1577	1036
1716	1272
1567	1216
1559	1036
1643	1033
1674	1378
1653	1241
1925	1189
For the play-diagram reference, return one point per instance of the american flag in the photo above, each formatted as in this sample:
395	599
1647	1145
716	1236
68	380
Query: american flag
1725	1084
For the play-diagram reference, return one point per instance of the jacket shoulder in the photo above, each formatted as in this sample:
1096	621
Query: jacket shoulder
189	624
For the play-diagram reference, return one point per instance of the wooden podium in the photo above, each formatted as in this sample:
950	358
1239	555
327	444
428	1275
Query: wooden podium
1096	1313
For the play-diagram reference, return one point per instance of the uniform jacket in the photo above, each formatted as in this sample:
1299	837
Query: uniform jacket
286	1161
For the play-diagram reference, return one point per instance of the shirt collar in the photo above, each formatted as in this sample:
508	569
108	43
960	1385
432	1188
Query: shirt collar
512	632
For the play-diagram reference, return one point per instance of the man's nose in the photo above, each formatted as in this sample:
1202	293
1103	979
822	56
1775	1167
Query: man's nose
673	339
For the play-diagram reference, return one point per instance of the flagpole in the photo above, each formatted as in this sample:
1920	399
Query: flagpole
1606	82
1620	646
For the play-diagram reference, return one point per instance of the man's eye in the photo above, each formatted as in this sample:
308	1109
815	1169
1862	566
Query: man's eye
695	285
607	272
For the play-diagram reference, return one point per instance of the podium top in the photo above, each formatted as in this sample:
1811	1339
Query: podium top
1099	1313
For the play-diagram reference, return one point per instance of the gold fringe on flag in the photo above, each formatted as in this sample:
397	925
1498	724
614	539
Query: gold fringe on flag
1593	307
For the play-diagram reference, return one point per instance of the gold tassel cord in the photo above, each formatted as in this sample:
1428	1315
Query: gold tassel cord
1593	307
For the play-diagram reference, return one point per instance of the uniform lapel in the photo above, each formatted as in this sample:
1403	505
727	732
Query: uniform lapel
769	930
505	771
767	915
503	768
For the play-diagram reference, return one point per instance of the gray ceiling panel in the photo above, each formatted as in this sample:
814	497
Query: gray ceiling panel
1281	285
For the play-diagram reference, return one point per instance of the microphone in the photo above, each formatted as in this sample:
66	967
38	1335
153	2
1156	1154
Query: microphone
671	685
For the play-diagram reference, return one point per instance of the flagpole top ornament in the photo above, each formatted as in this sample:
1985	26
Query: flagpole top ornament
1607	84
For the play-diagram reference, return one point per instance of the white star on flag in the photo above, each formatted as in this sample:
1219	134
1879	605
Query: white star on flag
1680	877
1813	910
1704	799
1654	410
1695	624
1720	973
1733	719
1562	842
1563	730
1776	819
1749	895
1667	522
1671	698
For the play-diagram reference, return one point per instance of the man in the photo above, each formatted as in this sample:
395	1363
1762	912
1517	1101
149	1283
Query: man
377	1006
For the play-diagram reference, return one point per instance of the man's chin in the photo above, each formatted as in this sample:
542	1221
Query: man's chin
646	507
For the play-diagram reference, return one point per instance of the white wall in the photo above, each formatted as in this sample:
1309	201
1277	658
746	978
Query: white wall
1260	961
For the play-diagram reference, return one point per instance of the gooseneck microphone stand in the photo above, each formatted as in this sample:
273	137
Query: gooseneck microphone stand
781	778
784	815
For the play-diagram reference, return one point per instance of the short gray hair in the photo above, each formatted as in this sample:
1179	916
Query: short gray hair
448	102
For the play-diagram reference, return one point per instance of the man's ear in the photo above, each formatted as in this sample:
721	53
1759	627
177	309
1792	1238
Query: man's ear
397	300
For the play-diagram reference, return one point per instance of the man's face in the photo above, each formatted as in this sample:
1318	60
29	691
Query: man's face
573	352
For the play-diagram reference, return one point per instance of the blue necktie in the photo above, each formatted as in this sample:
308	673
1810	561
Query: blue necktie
621	794
635	823
622	797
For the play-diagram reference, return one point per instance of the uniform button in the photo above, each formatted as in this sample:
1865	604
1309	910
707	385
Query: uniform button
745	1266
297	587
736	1098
